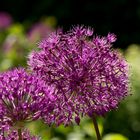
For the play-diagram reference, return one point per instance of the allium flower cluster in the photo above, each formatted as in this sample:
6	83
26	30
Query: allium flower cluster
23	97
88	75
13	135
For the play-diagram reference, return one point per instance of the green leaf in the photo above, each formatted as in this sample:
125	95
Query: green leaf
114	137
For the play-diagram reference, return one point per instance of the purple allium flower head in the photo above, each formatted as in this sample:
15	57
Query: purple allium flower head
13	135
5	20
23	97
90	77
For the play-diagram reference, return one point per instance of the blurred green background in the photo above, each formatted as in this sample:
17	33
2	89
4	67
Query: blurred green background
24	23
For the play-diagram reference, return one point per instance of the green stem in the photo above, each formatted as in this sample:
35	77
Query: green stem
96	128
19	134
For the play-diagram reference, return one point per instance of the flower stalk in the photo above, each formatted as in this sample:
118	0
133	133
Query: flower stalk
96	128
19	134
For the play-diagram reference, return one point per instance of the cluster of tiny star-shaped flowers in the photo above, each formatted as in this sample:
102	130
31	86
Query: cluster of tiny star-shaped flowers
13	135
23	98
89	76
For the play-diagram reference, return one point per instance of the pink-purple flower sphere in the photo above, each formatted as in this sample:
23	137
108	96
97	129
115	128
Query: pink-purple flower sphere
23	97
88	75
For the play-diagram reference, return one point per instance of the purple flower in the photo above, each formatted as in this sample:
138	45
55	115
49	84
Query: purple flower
39	30
13	135
89	76
5	20
23	97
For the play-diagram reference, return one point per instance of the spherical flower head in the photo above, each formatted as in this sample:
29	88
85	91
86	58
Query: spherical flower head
90	77
23	97
13	135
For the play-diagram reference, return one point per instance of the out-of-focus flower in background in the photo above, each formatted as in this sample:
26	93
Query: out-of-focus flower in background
41	29
5	20
14	47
